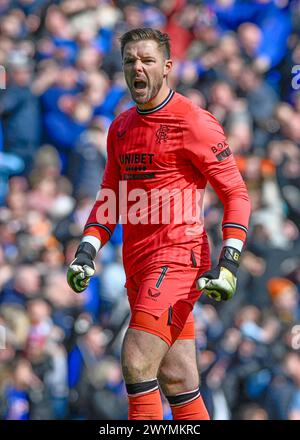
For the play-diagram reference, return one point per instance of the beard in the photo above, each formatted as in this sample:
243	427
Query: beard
143	96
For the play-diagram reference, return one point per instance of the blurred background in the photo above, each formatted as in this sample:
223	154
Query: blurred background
64	86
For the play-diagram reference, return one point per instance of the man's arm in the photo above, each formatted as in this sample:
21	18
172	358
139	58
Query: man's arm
206	146
100	224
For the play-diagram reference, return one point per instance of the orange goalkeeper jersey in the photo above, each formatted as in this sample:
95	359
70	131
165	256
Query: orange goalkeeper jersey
158	165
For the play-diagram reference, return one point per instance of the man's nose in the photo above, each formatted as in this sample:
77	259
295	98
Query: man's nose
138	66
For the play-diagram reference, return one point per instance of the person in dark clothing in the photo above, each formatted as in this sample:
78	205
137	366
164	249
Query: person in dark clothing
19	111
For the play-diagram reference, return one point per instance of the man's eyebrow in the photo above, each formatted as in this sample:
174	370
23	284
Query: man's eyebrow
129	56
126	57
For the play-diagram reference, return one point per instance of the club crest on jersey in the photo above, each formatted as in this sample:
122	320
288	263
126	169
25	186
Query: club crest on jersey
162	133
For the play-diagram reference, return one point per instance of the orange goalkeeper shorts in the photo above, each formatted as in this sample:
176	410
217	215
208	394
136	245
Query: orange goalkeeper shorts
162	301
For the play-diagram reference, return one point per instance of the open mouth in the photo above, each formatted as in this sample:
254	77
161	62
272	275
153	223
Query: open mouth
139	84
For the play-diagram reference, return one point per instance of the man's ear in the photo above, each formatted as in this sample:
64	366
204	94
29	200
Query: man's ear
167	67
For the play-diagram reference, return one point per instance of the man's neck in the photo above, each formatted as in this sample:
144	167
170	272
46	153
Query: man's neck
157	100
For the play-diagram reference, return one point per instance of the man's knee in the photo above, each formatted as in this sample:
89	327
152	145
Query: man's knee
178	371
169	376
141	355
176	380
135	368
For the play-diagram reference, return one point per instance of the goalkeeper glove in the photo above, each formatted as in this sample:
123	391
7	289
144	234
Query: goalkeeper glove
220	283
82	268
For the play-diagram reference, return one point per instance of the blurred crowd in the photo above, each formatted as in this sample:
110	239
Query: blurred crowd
60	352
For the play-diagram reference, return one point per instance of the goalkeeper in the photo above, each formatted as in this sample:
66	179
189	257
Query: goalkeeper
164	143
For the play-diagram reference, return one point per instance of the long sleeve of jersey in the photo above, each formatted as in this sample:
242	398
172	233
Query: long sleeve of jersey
205	145
105	213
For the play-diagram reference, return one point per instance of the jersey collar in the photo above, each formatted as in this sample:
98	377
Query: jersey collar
158	107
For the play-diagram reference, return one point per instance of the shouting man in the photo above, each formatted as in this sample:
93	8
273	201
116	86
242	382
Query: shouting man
161	154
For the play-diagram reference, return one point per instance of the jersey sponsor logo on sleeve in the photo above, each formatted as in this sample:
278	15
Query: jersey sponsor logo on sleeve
221	156
221	150
162	133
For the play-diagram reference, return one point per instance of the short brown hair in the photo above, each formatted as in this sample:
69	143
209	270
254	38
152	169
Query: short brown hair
141	34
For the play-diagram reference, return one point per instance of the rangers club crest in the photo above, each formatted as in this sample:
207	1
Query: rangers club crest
162	133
